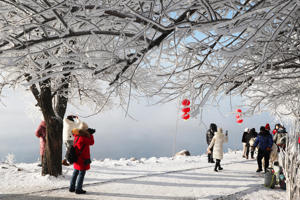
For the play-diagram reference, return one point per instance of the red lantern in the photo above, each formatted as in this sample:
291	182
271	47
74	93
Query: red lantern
186	109
237	116
185	116
238	110
185	102
239	121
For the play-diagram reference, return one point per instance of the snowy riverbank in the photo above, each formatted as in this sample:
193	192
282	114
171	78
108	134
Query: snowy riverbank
154	178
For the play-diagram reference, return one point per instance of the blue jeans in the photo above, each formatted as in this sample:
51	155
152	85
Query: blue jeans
79	180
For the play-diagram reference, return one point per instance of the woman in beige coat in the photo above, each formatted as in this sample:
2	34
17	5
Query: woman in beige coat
217	143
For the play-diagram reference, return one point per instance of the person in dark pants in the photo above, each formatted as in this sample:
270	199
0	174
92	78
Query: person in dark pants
83	138
253	135
209	136
265	142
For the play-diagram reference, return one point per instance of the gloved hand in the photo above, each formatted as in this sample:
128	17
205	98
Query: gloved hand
268	149
91	130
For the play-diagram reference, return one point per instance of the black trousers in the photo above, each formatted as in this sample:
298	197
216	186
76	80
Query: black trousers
218	164
263	154
210	155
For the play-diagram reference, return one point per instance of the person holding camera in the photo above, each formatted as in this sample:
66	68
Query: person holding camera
217	142
69	123
83	139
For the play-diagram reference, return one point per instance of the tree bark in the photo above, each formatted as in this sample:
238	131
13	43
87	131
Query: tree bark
53	151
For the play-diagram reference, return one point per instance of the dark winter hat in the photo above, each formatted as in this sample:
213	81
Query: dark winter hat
70	117
262	129
253	130
213	127
267	127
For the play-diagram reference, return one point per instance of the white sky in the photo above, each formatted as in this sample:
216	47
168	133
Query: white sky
151	135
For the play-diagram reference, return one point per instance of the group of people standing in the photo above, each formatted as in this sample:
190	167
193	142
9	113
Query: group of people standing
77	134
265	141
268	144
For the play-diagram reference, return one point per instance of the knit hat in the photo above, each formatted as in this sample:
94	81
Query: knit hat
267	126
83	126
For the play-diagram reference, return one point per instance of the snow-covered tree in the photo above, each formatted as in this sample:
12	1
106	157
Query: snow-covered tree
89	49
94	48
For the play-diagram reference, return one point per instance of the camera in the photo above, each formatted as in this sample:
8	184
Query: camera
91	130
87	161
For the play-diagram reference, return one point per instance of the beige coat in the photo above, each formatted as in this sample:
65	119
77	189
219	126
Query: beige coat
217	143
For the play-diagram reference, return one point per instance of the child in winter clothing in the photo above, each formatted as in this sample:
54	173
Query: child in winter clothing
209	136
41	133
217	142
265	142
69	124
83	138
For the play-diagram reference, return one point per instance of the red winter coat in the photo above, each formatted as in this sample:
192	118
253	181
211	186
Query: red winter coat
83	145
41	133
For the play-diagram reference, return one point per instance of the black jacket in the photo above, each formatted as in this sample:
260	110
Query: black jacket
246	137
211	133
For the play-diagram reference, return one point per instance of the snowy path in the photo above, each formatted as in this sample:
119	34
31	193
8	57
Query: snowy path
238	180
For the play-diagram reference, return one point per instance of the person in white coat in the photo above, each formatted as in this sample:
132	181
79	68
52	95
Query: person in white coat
217	143
70	122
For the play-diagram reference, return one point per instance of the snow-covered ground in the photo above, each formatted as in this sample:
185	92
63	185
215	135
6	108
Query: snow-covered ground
154	178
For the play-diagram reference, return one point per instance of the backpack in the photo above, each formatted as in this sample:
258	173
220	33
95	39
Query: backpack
270	178
71	153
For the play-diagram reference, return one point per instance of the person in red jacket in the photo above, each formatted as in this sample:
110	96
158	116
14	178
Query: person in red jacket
83	138
275	130
41	133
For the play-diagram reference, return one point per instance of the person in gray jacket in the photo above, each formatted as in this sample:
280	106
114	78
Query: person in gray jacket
209	136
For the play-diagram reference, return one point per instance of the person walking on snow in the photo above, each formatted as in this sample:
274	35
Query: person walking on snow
209	136
83	139
69	124
253	135
244	137
41	133
265	142
217	143
246	140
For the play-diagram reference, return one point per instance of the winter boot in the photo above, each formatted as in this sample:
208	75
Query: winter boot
80	191
220	168
215	169
259	170
212	160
